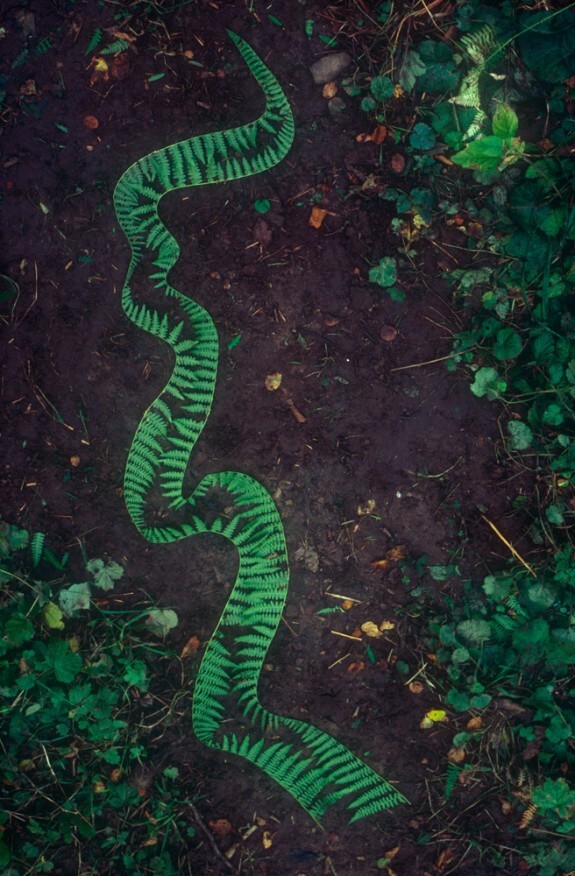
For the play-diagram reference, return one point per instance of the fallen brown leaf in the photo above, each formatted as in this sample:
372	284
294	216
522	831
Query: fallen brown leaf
378	134
398	162
220	826
191	648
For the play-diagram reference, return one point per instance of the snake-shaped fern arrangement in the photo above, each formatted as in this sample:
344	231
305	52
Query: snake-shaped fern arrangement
227	715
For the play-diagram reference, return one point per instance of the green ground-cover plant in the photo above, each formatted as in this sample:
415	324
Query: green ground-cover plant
511	637
74	679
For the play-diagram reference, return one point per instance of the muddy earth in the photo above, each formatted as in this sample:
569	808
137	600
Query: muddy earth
370	444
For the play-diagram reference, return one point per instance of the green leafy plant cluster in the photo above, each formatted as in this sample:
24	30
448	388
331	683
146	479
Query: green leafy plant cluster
77	778
511	637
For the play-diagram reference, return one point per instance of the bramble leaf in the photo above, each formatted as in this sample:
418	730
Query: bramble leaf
105	573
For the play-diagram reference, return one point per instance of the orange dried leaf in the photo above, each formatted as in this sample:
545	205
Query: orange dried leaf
347	604
363	138
191	648
416	687
397	553
386	625
456	755
91	122
379	134
356	667
317	216
475	723
380	564
445	858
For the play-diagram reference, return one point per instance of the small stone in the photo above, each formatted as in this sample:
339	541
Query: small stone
329	67
388	333
336	107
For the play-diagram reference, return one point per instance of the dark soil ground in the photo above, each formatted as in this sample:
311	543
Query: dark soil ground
354	430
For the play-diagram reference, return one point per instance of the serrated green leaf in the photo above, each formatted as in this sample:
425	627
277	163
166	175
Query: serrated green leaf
483	154
18	629
422	137
411	68
487	382
65	664
75	598
385	273
505	122
507	344
161	620
474	631
105	573
382	88
520	435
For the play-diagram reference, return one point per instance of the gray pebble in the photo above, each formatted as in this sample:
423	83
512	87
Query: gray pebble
329	67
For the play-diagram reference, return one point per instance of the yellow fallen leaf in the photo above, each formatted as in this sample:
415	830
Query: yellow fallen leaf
273	381
437	715
386	625
367	507
371	629
434	716
267	839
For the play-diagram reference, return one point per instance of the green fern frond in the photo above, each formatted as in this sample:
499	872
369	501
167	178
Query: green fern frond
37	547
116	47
94	41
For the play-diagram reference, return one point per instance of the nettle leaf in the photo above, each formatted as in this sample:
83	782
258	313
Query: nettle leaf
520	435
507	344
422	137
382	88
505	122
483	154
75	598
487	382
385	273
475	631
64	663
161	620
105	573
